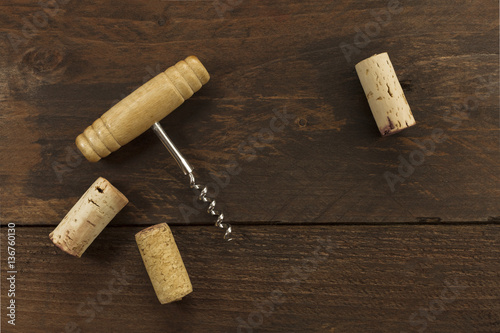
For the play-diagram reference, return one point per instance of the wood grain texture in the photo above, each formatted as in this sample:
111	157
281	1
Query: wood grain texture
324	164
328	162
329	278
137	112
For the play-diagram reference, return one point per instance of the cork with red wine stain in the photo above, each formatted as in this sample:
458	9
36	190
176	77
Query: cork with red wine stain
385	95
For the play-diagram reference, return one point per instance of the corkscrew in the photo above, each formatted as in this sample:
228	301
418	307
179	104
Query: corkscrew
187	169
143	109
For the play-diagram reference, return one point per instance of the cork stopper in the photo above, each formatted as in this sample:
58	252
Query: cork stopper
163	263
88	217
385	95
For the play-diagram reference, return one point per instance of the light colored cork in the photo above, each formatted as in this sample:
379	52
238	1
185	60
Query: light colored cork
163	263
385	95
88	217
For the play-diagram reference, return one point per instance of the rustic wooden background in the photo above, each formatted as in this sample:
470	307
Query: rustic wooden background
389	255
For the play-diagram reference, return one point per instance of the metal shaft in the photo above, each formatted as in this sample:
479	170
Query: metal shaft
176	154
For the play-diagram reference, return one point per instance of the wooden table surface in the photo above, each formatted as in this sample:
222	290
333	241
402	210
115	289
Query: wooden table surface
336	228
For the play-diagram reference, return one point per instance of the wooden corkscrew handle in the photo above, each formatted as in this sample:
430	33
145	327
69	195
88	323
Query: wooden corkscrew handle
137	112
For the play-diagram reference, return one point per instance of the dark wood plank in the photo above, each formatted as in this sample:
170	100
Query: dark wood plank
328	279
328	163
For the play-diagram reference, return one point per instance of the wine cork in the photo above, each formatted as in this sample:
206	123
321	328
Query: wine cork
163	263
385	95
88	217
